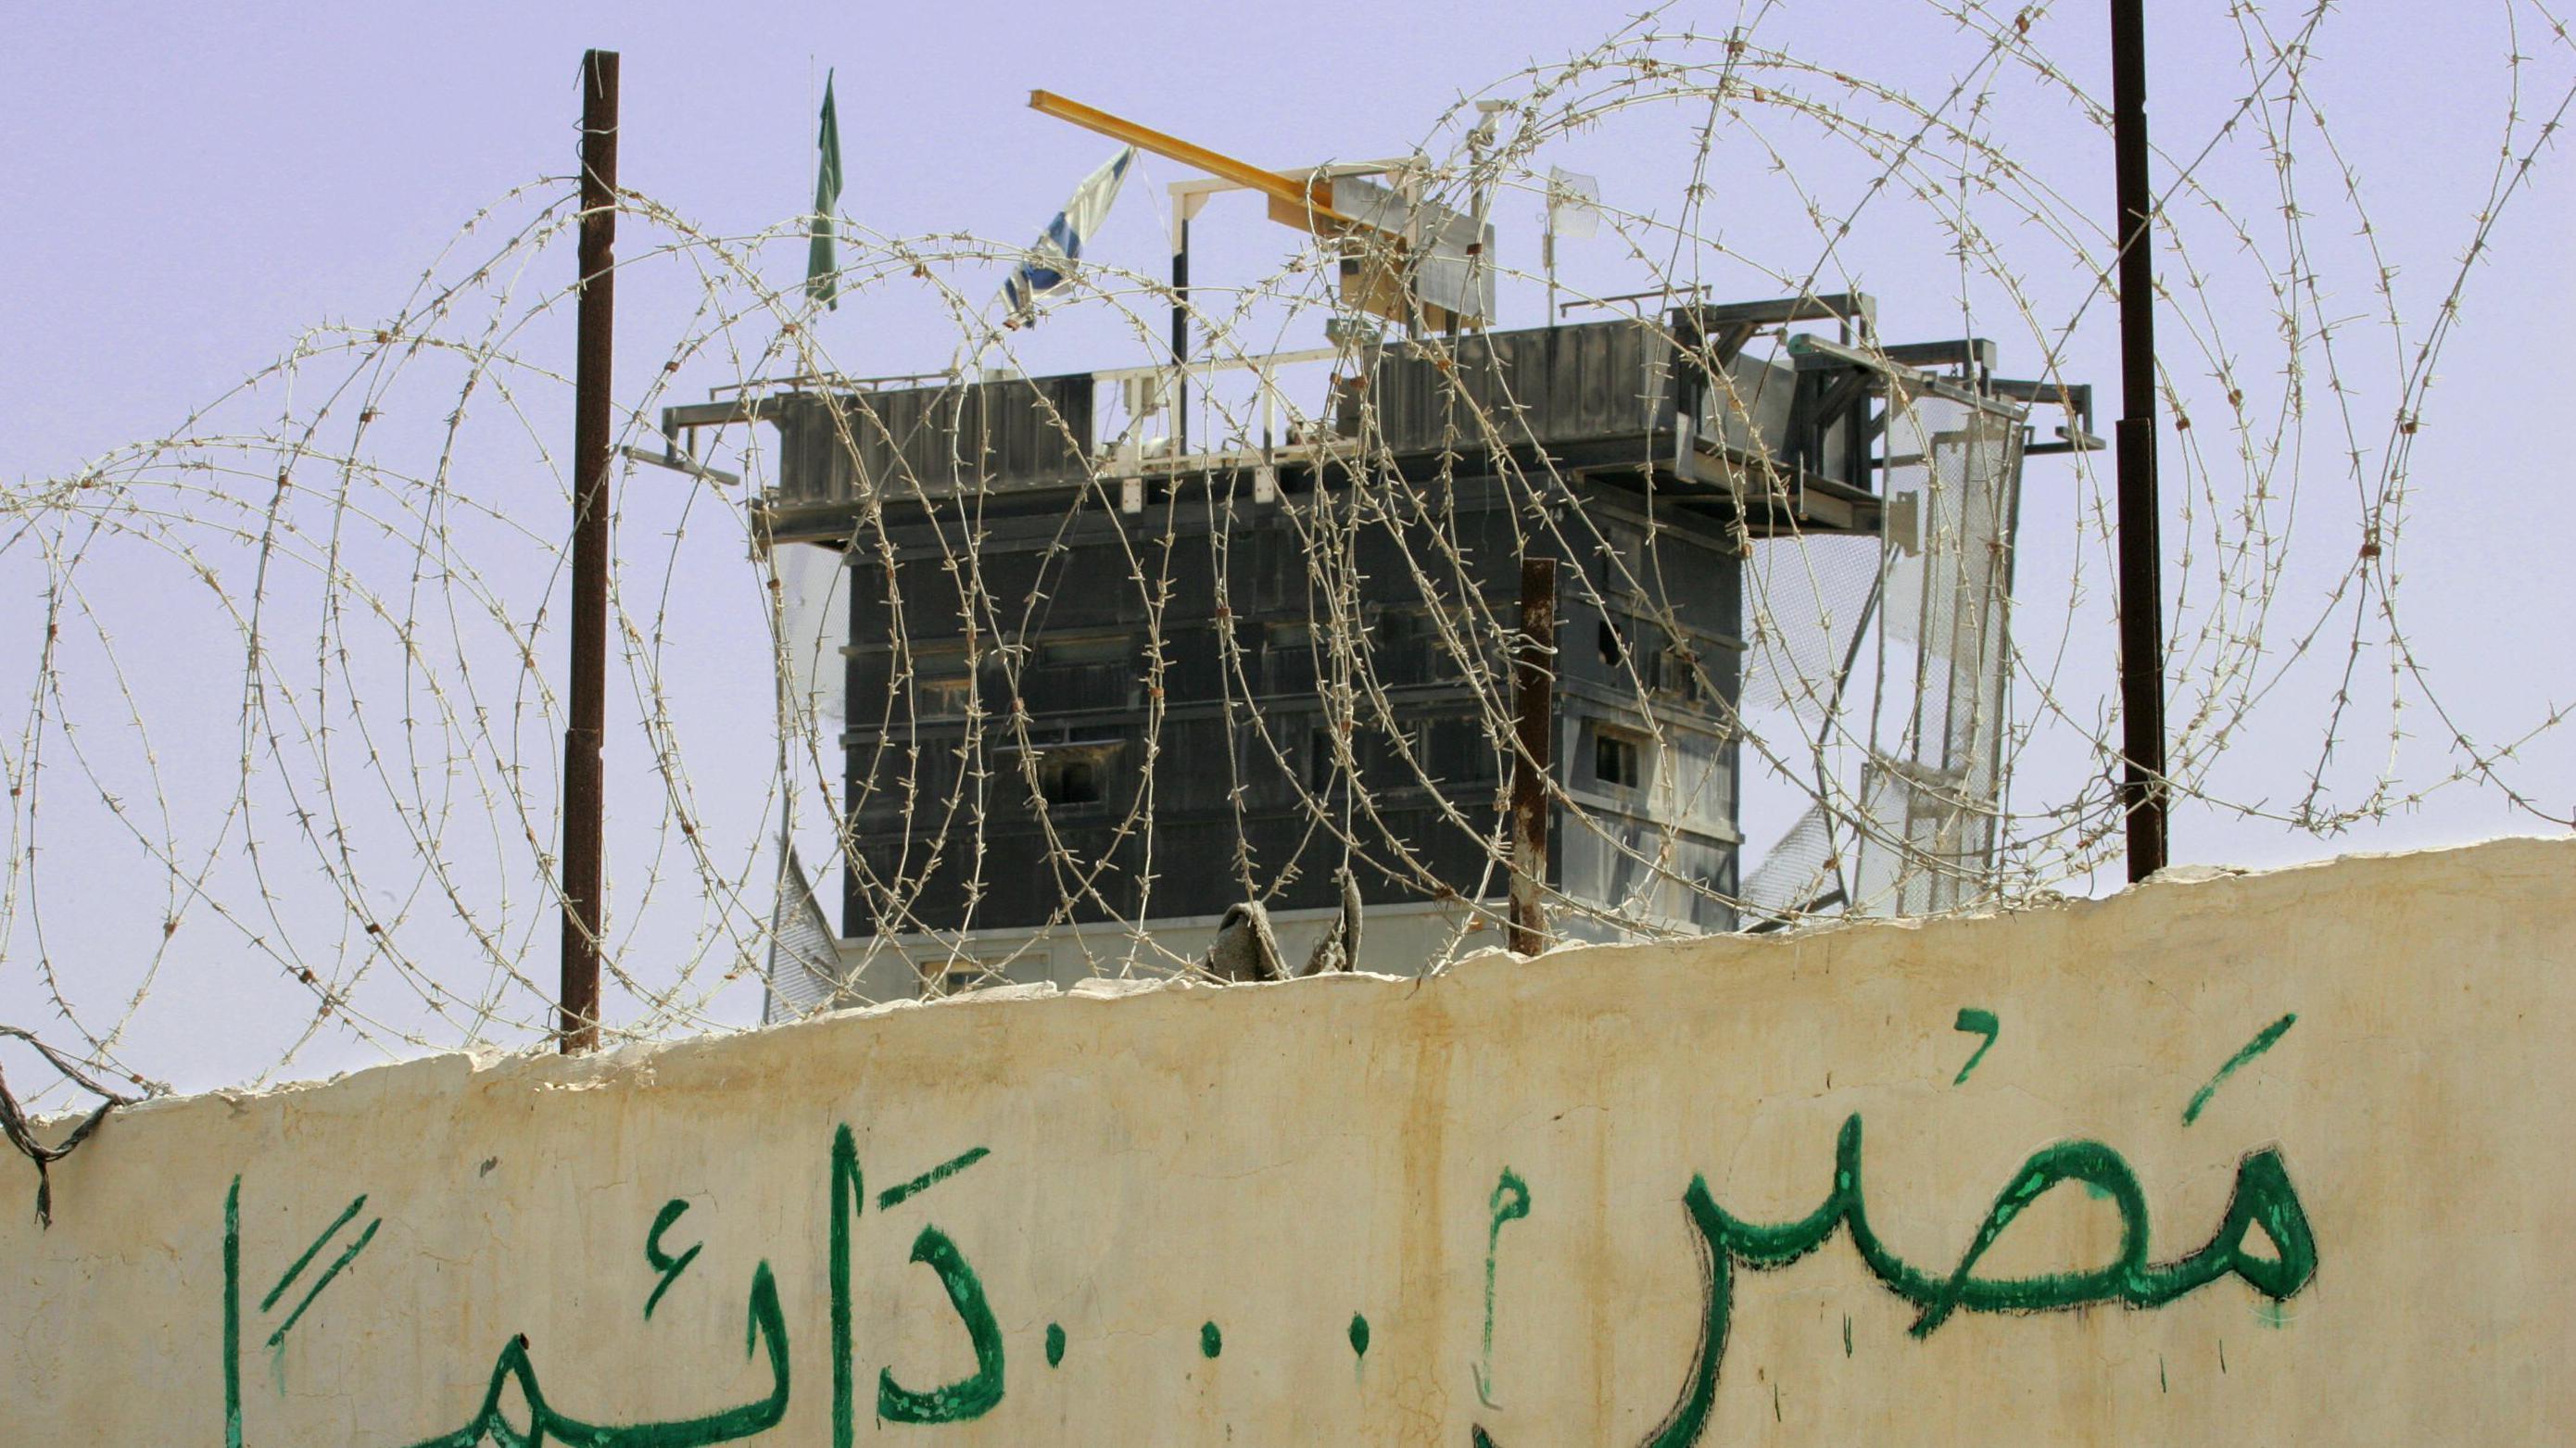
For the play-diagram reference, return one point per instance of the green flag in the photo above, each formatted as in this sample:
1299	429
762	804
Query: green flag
822	267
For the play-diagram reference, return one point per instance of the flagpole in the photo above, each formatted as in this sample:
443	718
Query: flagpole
1180	329
584	785
786	825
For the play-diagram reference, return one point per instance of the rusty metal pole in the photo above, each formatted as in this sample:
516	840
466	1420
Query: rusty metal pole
2143	795
1534	732
584	802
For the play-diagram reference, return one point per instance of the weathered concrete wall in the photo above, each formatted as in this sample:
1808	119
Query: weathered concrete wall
1520	1203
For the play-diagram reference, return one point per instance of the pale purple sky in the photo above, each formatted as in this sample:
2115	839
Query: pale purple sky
188	187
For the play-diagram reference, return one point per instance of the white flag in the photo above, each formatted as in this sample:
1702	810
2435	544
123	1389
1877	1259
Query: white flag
1052	256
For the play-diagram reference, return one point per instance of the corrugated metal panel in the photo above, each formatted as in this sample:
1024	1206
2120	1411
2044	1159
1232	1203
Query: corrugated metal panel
1593	383
1025	432
1754	402
1077	688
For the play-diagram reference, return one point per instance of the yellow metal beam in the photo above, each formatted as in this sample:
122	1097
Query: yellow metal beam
1309	202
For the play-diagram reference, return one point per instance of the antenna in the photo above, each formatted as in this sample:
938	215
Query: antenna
1574	210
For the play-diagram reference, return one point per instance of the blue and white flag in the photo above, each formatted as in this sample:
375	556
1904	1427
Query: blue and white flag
1050	260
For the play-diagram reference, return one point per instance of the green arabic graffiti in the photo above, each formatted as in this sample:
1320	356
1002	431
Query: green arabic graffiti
296	1268
849	1192
232	1292
969	1397
1511	1202
2263	1200
663	1262
766	1325
347	1256
894	1195
1976	1023
2263	1041
232	1317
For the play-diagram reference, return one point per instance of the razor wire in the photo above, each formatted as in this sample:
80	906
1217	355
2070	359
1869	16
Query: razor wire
328	802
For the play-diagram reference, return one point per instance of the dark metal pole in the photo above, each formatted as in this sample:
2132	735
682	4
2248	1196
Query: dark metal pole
583	794
2141	602
1533	731
1180	333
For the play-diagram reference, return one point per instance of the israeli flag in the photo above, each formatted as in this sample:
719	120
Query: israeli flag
1050	260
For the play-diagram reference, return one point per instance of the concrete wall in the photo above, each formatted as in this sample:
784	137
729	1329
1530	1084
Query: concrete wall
1741	1191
